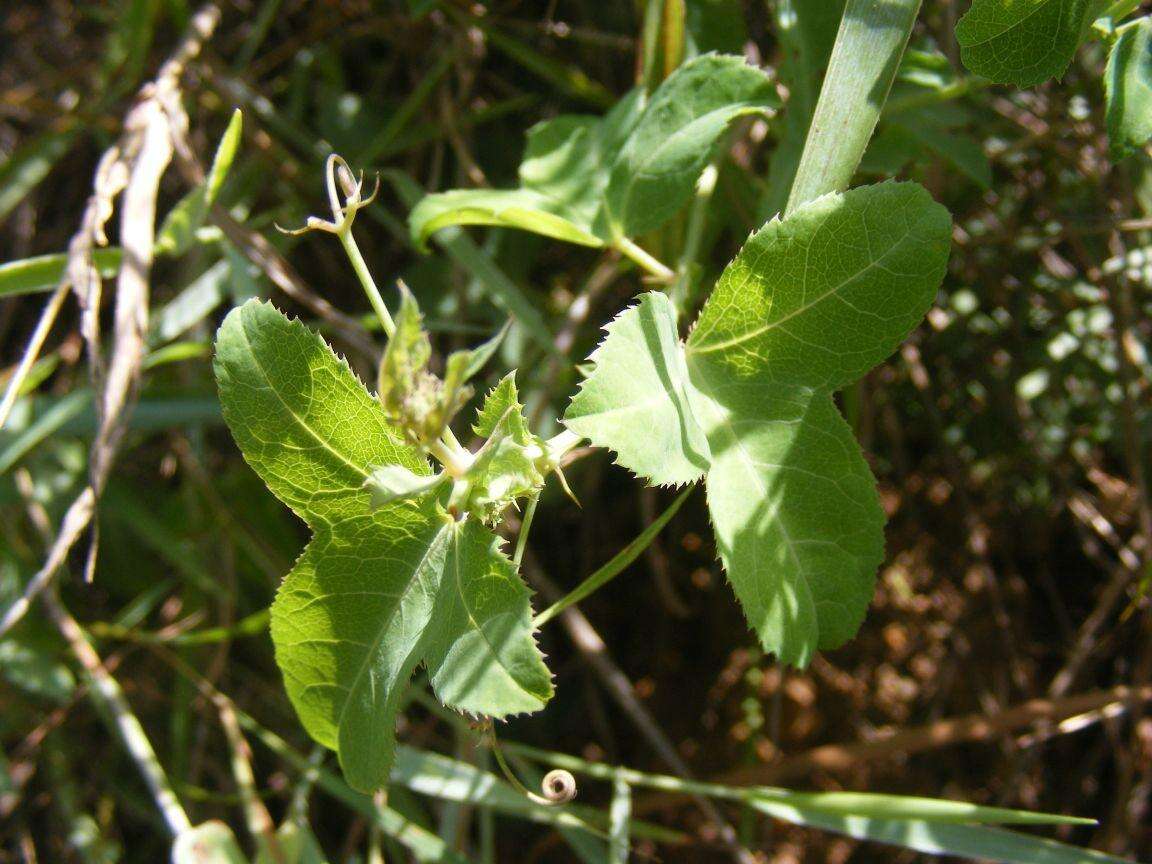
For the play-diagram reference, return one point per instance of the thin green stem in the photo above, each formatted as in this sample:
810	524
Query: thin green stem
525	527
697	217
615	566
456	460
366	280
645	260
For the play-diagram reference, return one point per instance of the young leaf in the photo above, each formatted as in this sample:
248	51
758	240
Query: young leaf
658	166
1022	42
390	483
508	465
500	399
1128	86
809	305
178	232
376	591
635	401
421	403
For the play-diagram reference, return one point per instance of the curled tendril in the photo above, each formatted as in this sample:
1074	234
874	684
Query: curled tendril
345	198
557	787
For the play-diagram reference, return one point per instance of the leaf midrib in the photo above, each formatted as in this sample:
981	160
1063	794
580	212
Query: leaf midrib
772	325
475	625
288	408
1040	8
386	624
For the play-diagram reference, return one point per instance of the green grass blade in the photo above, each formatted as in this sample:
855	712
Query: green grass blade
44	272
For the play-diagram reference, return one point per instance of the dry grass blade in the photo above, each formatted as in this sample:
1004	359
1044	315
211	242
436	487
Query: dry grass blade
135	165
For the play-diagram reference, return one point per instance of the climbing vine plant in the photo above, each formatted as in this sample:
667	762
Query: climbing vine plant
405	568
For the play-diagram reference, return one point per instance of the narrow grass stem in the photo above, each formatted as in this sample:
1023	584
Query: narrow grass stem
645	260
106	693
869	45
615	566
525	528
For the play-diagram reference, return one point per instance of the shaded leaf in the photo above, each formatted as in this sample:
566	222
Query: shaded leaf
1022	42
657	168
1128	86
810	304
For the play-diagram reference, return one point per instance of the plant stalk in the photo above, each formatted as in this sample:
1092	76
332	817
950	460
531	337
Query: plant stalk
645	260
366	280
869	45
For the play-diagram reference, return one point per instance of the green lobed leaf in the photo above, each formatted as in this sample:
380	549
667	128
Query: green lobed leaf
657	168
376	592
1022	42
1128	87
810	304
635	401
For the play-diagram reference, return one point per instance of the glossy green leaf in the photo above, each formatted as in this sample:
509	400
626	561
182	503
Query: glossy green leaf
657	168
562	176
376	592
1022	42
1128	85
810	304
508	208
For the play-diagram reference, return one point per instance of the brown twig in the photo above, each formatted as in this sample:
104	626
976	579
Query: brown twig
133	165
